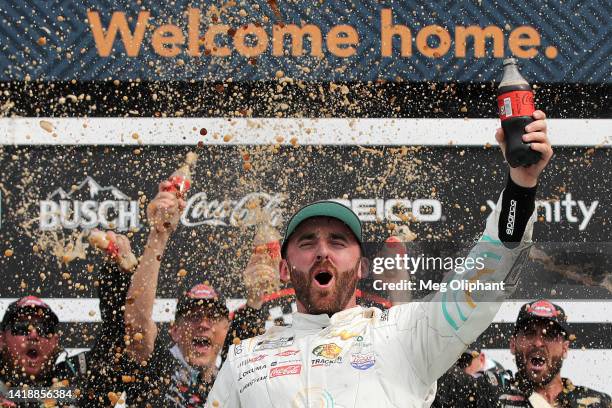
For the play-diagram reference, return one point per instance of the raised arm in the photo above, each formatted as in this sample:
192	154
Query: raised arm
114	276
163	214
433	334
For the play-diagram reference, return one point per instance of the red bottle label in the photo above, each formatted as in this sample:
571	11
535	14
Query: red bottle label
179	184
274	249
515	103
112	249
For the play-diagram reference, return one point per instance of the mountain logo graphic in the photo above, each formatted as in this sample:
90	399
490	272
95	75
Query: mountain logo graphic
89	205
94	190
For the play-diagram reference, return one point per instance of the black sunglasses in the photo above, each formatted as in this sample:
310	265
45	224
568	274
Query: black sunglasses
24	327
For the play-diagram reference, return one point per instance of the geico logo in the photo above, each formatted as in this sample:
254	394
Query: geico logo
88	214
375	209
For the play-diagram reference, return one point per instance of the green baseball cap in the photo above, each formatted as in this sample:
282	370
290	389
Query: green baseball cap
325	208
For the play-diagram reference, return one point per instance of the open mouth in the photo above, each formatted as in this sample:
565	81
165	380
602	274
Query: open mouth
32	353
537	362
201	344
323	278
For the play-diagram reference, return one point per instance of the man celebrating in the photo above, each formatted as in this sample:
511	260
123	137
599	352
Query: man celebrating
30	342
179	376
540	344
340	354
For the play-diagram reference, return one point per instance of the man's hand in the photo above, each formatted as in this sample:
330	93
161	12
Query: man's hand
536	135
260	279
165	210
124	256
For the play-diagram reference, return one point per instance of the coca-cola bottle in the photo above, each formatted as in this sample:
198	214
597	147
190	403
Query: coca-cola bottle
181	178
261	276
516	107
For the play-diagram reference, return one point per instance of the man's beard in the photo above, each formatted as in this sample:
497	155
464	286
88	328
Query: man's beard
341	292
526	380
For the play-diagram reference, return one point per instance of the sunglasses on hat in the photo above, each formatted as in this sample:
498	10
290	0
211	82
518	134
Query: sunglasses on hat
23	328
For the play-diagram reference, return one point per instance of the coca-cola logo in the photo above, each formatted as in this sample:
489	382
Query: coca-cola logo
224	213
292	369
527	99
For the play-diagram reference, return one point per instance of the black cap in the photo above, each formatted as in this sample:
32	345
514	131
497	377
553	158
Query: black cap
28	306
542	310
199	296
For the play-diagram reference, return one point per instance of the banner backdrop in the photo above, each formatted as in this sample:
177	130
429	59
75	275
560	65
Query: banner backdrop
51	194
445	194
83	85
330	41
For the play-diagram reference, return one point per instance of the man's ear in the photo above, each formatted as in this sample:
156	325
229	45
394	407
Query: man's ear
363	271
513	345
566	344
1	340
174	335
284	272
225	325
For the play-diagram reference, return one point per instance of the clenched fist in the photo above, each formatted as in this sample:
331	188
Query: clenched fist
536	134
164	212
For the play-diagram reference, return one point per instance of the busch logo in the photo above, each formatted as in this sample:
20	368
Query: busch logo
106	207
200	210
286	370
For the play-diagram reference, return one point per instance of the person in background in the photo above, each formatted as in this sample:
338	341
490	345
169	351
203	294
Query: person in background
179	375
475	363
540	344
474	381
31	343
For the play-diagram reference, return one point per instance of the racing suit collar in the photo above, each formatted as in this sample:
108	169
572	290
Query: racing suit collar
305	321
176	353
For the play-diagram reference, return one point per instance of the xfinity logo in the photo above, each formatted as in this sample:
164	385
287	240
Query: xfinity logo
552	210
377	209
87	206
511	217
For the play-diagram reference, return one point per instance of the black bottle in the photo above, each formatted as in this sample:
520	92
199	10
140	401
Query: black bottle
516	107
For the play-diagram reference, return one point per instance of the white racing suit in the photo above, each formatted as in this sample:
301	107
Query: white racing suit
366	357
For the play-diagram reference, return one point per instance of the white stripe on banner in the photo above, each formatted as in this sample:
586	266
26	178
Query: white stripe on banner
590	368
325	131
87	310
